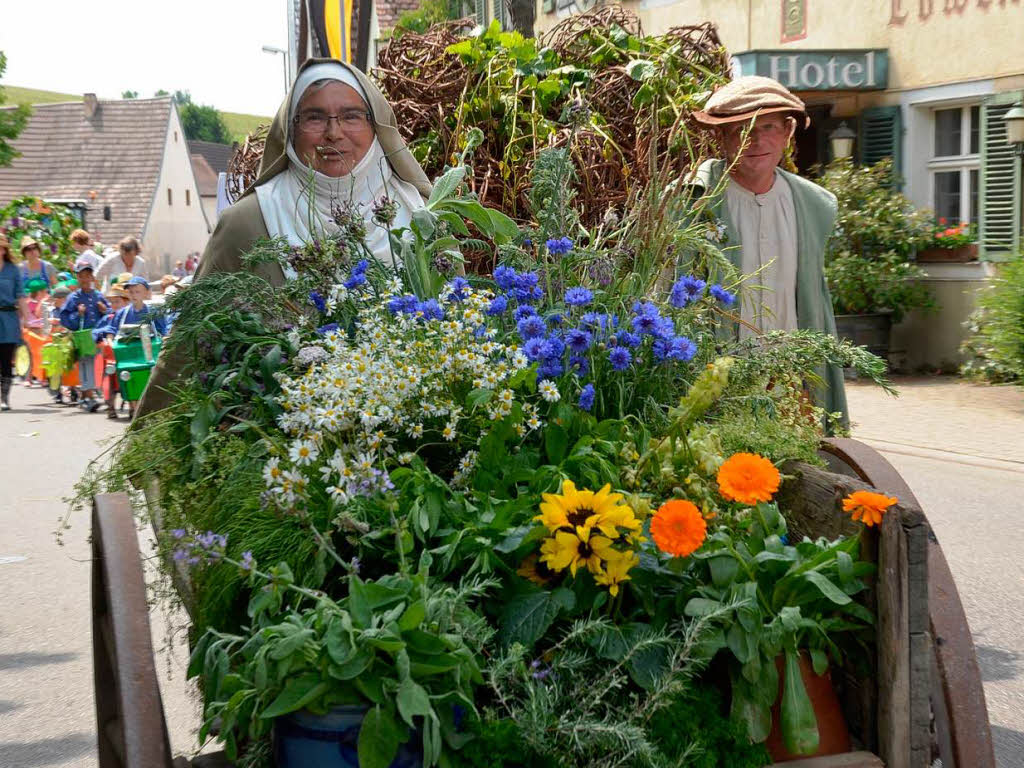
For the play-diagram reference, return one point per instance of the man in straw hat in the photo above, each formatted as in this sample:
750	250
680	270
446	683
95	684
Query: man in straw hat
776	224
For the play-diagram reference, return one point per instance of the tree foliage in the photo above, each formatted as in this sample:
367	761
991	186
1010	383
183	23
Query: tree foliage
12	122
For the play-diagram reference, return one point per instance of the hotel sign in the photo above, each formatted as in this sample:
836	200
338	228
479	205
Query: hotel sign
845	70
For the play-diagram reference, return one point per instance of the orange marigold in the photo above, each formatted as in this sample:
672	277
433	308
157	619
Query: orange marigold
868	507
748	478
678	528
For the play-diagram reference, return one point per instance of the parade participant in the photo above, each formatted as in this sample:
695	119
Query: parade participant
118	297
134	312
36	303
84	309
127	259
12	315
179	269
334	138
33	264
60	295
81	242
776	223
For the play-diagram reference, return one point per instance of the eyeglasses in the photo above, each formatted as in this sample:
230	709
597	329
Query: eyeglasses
349	120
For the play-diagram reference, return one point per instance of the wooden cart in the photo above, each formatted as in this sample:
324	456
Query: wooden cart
925	703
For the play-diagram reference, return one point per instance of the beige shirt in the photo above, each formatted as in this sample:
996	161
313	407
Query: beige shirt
768	235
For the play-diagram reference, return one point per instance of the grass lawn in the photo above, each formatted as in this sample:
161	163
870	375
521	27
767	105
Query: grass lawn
238	124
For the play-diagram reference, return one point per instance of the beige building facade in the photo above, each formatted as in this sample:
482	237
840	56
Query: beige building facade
925	82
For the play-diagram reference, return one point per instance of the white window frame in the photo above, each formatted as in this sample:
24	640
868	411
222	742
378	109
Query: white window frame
965	162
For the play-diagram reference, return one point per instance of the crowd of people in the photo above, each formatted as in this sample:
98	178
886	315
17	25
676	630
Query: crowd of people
40	305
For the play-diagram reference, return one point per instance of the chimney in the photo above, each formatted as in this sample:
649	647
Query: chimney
91	105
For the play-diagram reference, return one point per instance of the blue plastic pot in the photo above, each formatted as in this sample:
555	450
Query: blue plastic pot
303	740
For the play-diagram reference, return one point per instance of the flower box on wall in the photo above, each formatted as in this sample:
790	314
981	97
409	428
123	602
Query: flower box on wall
961	254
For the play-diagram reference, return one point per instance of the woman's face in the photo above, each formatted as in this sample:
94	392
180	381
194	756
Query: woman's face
332	130
31	253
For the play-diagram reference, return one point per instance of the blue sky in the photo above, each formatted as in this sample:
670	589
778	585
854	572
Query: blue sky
211	48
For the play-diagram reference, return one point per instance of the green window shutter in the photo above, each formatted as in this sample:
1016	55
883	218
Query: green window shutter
499	13
999	193
549	6
481	12
881	136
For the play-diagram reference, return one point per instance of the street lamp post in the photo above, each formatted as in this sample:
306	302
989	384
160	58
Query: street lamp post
284	58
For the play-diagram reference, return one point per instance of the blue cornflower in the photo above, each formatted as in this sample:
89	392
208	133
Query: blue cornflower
664	328
646	323
405	304
550	369
318	301
686	290
323	330
357	279
645	308
579	365
459	287
526	289
555	318
586	401
578	297
360	268
597	320
722	295
620	358
676	348
505	277
527	242
628	339
559	245
531	327
497	306
523	311
578	340
534	349
430	310
554	348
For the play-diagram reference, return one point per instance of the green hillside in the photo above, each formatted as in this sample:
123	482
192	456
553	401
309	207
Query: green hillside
239	125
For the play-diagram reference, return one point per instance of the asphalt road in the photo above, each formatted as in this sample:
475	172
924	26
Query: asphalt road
959	447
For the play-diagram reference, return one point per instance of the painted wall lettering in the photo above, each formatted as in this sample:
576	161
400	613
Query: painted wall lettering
899	14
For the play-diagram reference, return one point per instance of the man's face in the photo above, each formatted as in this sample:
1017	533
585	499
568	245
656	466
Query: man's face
332	146
765	143
85	279
127	255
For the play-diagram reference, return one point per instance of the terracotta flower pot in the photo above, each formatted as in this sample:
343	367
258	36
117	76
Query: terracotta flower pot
961	255
833	734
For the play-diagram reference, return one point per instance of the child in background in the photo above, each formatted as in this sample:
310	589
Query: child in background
84	309
60	295
37	293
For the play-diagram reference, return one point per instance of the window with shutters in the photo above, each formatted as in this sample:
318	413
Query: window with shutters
881	136
999	220
954	167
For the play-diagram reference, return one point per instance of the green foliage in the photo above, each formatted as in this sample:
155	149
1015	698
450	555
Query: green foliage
697	722
877	231
203	123
786	599
48	224
129	94
429	13
996	345
12	122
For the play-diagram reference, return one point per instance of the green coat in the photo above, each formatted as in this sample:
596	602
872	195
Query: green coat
815	218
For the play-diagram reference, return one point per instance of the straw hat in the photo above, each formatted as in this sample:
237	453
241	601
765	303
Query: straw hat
747	97
116	291
28	242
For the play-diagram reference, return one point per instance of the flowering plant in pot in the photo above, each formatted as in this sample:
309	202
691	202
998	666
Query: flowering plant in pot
950	243
781	600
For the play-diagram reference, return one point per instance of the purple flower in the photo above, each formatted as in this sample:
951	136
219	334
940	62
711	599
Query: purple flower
355	565
360	268
554	348
578	297
53	248
722	295
555	318
550	369
505	277
429	310
628	339
526	287
323	330
586	401
531	327
497	306
675	348
180	554
357	279
578	340
620	358
559	245
459	286
318	301
579	365
534	349
685	291
246	563
178	533
524	311
645	323
405	304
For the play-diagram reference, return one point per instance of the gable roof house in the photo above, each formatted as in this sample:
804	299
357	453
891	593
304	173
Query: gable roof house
130	162
209	160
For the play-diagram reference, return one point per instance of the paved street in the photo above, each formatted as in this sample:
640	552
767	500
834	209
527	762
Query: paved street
958	445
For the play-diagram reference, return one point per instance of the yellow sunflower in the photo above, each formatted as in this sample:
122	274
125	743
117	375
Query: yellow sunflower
571	550
616	570
572	510
533	570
